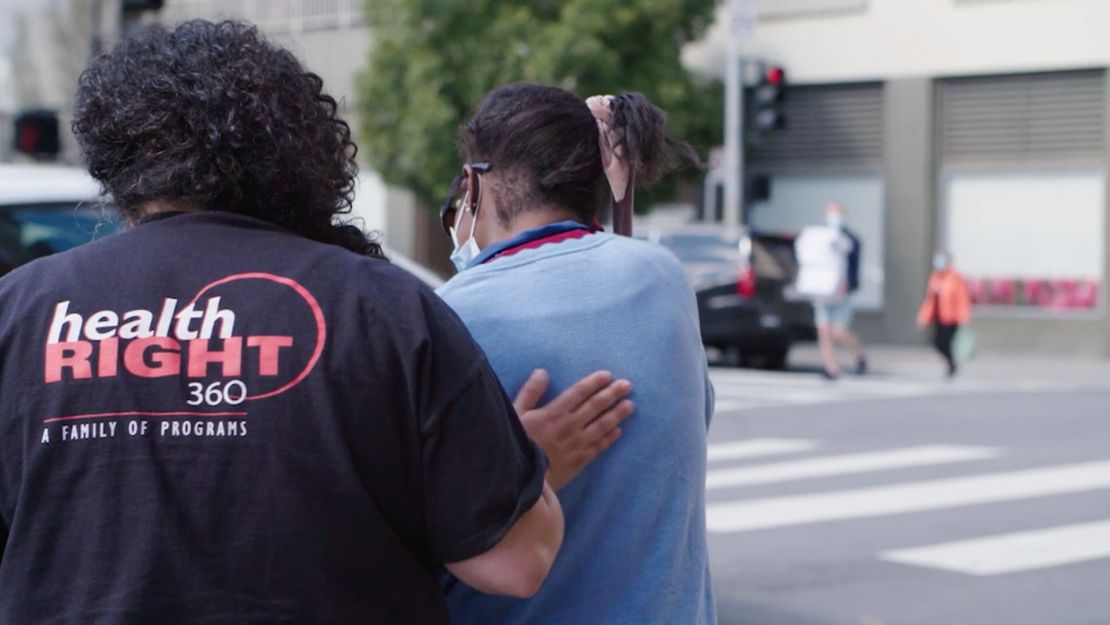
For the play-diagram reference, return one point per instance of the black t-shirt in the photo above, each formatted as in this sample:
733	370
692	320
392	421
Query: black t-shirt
208	419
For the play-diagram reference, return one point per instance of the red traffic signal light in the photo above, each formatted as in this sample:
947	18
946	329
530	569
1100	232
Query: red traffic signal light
775	76
768	111
37	133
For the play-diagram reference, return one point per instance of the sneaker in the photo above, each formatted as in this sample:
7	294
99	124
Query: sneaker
831	377
861	367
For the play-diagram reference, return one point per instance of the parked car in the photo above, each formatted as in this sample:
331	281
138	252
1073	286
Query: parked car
743	281
48	209
45	209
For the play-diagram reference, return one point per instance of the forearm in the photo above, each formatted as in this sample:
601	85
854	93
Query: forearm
519	563
545	531
539	532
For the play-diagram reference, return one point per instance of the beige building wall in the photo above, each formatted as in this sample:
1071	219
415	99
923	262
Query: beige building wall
885	39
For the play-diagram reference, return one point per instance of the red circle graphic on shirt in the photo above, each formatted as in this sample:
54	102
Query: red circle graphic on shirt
313	305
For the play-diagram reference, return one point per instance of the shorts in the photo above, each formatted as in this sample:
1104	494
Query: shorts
836	314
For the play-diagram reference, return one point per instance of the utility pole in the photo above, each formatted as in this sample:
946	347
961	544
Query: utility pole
132	12
96	34
742	16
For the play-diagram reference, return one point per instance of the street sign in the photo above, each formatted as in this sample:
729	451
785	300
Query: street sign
742	18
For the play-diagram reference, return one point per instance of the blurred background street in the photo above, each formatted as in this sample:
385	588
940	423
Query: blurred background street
973	127
903	498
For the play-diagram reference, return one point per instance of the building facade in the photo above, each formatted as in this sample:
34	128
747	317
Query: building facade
973	126
53	42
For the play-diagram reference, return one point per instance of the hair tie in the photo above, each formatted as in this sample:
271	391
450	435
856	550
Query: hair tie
614	162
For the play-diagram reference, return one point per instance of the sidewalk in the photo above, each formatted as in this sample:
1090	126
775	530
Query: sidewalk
910	362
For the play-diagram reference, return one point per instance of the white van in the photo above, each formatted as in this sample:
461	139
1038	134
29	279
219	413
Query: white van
45	209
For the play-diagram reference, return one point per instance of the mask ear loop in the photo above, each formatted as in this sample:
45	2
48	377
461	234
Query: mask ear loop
473	209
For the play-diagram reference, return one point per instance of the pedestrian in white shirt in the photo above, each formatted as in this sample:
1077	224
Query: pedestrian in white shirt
828	274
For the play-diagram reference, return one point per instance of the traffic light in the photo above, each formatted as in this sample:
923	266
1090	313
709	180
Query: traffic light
759	188
36	133
768	114
132	11
142	5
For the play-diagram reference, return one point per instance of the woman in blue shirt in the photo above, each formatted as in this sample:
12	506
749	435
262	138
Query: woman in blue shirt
540	283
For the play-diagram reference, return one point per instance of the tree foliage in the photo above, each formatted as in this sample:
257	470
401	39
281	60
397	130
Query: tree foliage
433	60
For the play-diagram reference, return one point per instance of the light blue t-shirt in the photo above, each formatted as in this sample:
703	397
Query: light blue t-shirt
635	546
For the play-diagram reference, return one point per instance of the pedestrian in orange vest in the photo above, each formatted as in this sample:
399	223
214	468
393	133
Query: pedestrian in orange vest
947	306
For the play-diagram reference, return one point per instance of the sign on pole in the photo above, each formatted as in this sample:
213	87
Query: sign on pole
742	19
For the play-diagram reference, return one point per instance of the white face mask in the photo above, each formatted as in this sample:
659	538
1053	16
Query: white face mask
834	221
940	262
463	254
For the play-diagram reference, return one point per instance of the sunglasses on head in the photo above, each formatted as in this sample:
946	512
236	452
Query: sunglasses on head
452	204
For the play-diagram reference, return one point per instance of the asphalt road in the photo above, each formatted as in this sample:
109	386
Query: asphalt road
900	499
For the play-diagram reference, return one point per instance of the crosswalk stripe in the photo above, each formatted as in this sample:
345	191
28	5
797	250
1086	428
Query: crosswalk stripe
846	464
729	405
1014	552
797	396
761	389
755	514
758	447
750	392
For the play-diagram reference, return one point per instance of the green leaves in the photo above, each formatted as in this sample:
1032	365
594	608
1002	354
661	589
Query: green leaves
433	60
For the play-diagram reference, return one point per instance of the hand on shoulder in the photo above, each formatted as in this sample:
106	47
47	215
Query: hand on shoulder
578	425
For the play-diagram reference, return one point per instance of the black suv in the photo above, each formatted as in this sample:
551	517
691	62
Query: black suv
743	282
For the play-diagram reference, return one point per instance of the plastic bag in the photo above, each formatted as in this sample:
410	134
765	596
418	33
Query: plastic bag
965	344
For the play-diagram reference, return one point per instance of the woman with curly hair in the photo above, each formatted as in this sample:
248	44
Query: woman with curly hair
235	412
213	117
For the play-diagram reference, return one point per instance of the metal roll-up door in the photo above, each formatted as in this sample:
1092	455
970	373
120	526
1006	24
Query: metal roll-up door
827	127
1022	118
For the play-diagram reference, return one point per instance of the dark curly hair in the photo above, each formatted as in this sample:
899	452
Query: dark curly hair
543	140
213	116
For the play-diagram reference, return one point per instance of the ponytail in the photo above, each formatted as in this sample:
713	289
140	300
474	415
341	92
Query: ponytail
634	148
642	126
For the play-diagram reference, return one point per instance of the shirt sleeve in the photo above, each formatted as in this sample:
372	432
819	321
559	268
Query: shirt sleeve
480	470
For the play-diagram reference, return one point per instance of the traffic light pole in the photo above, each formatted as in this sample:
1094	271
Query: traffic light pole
96	38
734	134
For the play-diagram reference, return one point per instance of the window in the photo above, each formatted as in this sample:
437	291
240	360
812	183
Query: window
32	231
1028	240
707	248
798	200
1022	190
